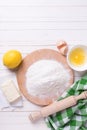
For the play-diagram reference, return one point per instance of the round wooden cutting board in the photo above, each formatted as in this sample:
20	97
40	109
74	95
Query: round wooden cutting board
28	61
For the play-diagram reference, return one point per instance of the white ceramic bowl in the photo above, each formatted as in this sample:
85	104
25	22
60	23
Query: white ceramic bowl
74	67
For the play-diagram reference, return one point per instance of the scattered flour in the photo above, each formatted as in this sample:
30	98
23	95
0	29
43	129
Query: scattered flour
45	78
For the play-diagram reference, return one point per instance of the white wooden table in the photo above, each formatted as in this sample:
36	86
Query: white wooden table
27	25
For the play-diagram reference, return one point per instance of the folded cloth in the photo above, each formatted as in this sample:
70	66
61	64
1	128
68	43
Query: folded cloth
73	118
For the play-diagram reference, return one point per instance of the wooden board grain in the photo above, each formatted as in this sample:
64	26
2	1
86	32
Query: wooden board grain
33	57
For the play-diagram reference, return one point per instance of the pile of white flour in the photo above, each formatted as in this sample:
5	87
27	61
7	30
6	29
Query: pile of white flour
45	78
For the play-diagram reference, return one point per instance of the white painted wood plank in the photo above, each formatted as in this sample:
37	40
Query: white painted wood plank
42	26
39	42
35	36
43	3
25	49
19	120
62	13
43	19
47	32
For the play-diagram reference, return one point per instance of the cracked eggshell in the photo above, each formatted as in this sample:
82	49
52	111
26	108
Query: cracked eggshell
62	47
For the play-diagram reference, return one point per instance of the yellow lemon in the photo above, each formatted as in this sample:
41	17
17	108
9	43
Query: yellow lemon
12	59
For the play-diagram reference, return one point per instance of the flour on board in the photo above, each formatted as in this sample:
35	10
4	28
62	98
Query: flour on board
45	78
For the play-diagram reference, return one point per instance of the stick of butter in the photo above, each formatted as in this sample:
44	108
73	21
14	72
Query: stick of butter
10	91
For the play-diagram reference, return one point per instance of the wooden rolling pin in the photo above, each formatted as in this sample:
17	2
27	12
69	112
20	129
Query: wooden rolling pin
57	106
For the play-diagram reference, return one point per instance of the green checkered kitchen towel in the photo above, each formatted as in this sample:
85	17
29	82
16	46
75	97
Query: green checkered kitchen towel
73	118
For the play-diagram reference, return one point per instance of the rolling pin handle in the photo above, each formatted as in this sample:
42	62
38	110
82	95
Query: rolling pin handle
83	95
35	115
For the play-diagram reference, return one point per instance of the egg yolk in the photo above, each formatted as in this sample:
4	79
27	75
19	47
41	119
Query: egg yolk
77	56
